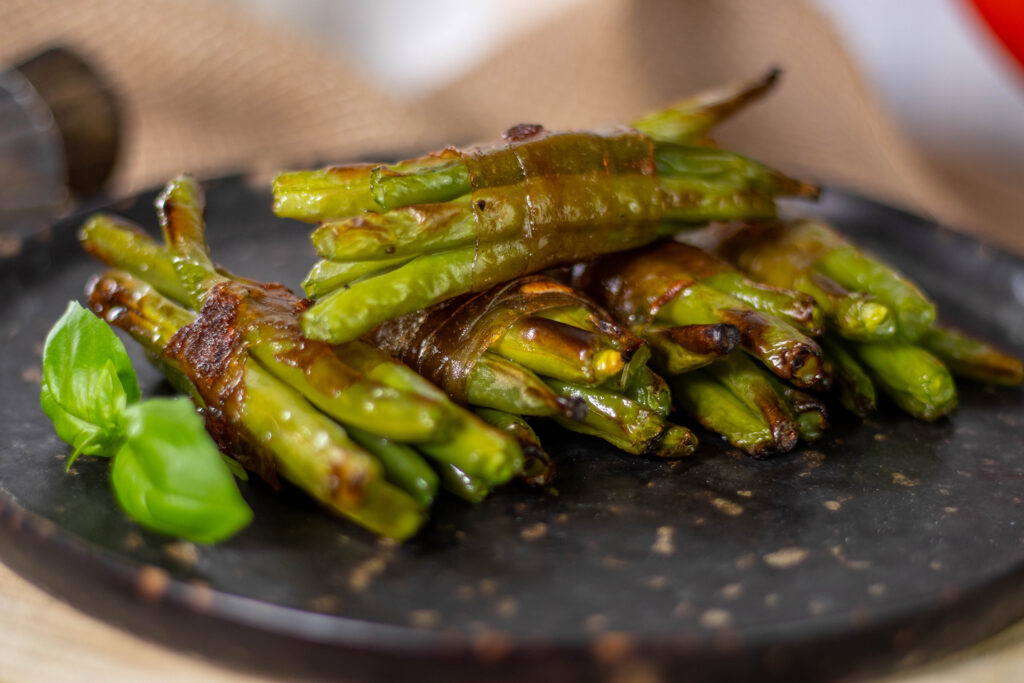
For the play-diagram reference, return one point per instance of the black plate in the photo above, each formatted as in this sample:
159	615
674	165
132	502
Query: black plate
891	540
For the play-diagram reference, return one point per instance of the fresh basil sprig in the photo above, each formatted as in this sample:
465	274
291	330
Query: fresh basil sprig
167	473
88	381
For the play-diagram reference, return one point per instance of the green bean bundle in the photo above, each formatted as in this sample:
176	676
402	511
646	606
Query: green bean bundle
534	347
348	424
399	238
882	328
673	294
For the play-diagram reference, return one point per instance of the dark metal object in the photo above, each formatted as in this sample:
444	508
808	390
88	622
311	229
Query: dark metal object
86	113
33	190
889	542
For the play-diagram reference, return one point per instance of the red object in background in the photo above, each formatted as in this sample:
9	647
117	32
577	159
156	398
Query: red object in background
1006	19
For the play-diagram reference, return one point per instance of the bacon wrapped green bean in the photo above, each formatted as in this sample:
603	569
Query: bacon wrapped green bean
243	356
399	238
535	347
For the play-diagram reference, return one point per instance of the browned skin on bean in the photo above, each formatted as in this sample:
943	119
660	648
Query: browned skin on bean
522	131
444	342
701	264
716	338
634	285
212	352
803	402
784	430
745	243
544	333
786	361
114	303
538	468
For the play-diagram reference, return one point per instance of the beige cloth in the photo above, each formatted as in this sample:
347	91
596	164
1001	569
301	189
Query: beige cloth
206	91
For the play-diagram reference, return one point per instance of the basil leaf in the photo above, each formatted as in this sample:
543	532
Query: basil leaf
235	468
87	382
170	477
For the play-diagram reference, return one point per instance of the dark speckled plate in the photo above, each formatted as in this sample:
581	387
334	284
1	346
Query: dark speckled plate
890	542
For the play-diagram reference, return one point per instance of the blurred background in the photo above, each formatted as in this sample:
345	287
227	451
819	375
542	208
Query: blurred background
937	68
918	102
940	72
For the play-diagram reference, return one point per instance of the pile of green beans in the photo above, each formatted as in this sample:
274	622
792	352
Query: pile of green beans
355	429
